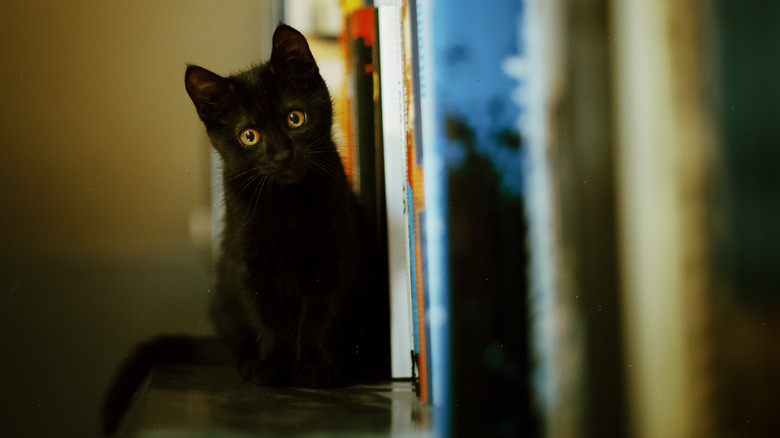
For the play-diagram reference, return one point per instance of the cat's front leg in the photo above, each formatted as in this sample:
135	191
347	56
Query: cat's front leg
259	349
272	360
315	374
315	365
274	371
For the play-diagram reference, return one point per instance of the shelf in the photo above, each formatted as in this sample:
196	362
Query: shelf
203	401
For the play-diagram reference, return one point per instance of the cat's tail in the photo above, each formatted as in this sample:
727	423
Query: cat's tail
163	350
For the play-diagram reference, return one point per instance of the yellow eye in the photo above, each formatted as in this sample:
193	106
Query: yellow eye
295	119
249	137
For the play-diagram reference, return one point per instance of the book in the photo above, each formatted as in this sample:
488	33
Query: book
368	176
416	195
474	218
394	135
434	250
375	131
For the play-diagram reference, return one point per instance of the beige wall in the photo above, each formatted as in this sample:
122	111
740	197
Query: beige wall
103	163
101	151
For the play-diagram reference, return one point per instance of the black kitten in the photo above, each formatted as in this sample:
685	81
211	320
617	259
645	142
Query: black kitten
293	300
289	247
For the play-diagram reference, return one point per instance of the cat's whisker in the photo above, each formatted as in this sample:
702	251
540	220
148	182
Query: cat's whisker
244	172
240	174
330	174
259	191
326	169
250	181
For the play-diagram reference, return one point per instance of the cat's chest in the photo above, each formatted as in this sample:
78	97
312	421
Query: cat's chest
291	231
286	222
288	250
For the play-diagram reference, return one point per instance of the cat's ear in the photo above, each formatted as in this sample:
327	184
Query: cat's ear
291	51
211	93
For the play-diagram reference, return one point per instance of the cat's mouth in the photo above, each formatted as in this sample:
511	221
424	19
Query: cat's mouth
290	175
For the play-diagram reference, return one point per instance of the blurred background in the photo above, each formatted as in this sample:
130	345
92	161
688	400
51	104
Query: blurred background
653	142
105	191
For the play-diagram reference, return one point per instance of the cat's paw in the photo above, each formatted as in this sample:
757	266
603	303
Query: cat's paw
315	374
267	372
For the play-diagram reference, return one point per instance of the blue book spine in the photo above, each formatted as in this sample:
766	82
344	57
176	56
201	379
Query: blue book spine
435	223
412	263
438	299
475	224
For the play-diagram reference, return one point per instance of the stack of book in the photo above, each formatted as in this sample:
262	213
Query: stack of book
435	150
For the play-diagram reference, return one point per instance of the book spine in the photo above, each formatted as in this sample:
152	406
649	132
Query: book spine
393	124
475	219
416	193
344	106
436	248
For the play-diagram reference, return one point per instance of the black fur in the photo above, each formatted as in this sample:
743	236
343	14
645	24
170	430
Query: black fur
295	299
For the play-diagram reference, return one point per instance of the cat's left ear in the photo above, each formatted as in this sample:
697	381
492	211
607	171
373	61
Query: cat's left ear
291	51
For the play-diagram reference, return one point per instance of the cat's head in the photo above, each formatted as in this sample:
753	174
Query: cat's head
271	120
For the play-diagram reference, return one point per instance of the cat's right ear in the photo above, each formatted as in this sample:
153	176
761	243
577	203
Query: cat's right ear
210	92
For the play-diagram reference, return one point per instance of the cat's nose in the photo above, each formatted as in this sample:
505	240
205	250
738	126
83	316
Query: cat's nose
282	156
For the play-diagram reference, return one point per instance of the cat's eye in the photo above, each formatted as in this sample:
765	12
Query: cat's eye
249	137
295	119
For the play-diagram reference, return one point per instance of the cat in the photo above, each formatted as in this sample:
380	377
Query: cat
296	301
